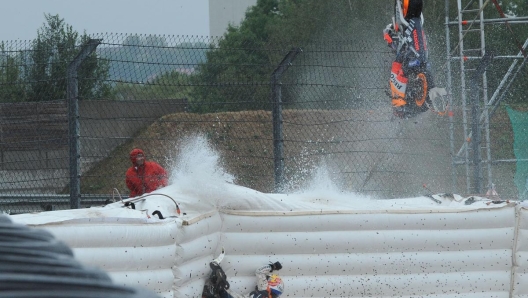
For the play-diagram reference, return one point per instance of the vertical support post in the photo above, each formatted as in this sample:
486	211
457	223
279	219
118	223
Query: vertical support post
475	122
475	140
450	98
72	94
485	110
276	112
460	17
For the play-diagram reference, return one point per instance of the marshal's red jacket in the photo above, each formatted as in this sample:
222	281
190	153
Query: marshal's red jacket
144	178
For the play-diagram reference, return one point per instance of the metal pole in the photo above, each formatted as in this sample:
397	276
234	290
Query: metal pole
475	121
450	100
511	20
276	112
485	110
494	102
463	90
475	140
72	94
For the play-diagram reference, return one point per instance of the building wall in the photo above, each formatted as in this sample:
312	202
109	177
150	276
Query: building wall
225	12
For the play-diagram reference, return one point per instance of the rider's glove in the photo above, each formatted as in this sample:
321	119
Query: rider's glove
389	29
388	33
390	36
276	266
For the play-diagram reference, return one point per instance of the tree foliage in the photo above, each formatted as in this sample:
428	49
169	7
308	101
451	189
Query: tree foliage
54	48
502	40
12	86
169	85
234	71
240	56
41	73
246	55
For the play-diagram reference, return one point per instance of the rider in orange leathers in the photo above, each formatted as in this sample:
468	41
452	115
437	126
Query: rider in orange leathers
411	79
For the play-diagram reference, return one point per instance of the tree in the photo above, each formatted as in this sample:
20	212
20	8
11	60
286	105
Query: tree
168	85
506	42
12	87
55	47
237	72
241	56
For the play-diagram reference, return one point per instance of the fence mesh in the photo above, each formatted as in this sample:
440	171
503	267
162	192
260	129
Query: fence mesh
157	92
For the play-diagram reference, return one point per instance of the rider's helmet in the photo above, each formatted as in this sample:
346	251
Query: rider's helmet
275	285
412	8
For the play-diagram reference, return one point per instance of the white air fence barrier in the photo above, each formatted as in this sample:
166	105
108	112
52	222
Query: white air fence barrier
329	246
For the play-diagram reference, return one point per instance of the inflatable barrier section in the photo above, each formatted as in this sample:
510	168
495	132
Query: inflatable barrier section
330	246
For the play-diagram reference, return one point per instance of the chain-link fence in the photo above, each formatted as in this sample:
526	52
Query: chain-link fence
156	92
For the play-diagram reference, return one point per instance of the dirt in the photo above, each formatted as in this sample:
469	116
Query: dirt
365	151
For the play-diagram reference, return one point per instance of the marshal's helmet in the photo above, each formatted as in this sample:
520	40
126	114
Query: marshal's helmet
411	8
275	285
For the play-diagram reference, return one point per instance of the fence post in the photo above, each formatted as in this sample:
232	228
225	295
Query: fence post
475	124
72	94
276	112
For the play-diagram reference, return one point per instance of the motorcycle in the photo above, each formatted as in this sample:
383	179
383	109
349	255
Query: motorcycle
411	83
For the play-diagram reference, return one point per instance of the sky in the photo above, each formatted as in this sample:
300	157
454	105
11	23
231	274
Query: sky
20	19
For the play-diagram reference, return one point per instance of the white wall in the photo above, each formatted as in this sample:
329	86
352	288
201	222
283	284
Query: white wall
454	254
136	254
434	252
520	257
